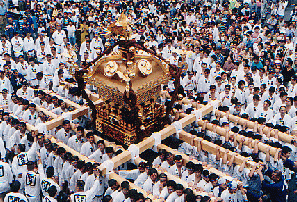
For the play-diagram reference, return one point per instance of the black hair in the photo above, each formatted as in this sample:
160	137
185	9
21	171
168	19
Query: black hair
25	102
22	147
190	198
80	128
32	105
80	164
50	171
15	186
89	134
178	158
241	82
198	168
179	187
132	193
52	190
286	150
80	184
107	198
205	173
213	176
67	156
268	102
190	164
256	97
188	191
61	150
235	129
125	184
172	184
112	182
282	94
152	171
205	199
65	121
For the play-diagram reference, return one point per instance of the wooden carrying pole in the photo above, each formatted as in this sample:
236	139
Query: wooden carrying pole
150	141
29	127
172	177
125	155
115	176
186	159
169	176
250	124
185	184
224	132
144	145
212	148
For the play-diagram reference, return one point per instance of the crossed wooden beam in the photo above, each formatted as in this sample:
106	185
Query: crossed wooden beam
252	125
164	133
125	155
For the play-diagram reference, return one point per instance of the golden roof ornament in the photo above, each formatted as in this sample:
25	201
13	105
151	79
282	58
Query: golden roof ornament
121	27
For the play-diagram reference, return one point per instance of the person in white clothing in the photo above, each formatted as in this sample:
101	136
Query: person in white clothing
172	195
179	189
265	111
159	160
198	181
189	175
282	118
96	44
91	180
98	154
226	96
123	194
76	141
58	37
6	177
253	107
14	195
239	93
169	161
177	169
222	185
29	44
25	92
52	192
235	192
88	147
113	186
17	44
31	115
142	177
71	32
64	133
213	182
19	163
5	99
32	183
5	82
149	184
46	180
82	196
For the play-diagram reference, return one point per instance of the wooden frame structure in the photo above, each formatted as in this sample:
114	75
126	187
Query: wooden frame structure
125	156
149	142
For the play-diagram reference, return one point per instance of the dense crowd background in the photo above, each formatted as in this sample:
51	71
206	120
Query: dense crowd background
241	53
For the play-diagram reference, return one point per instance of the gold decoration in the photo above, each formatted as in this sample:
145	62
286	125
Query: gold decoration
145	67
110	68
121	27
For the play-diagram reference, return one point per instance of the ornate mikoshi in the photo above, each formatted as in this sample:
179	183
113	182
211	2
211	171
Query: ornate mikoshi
128	78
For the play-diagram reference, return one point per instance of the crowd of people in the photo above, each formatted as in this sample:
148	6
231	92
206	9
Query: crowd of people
241	53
